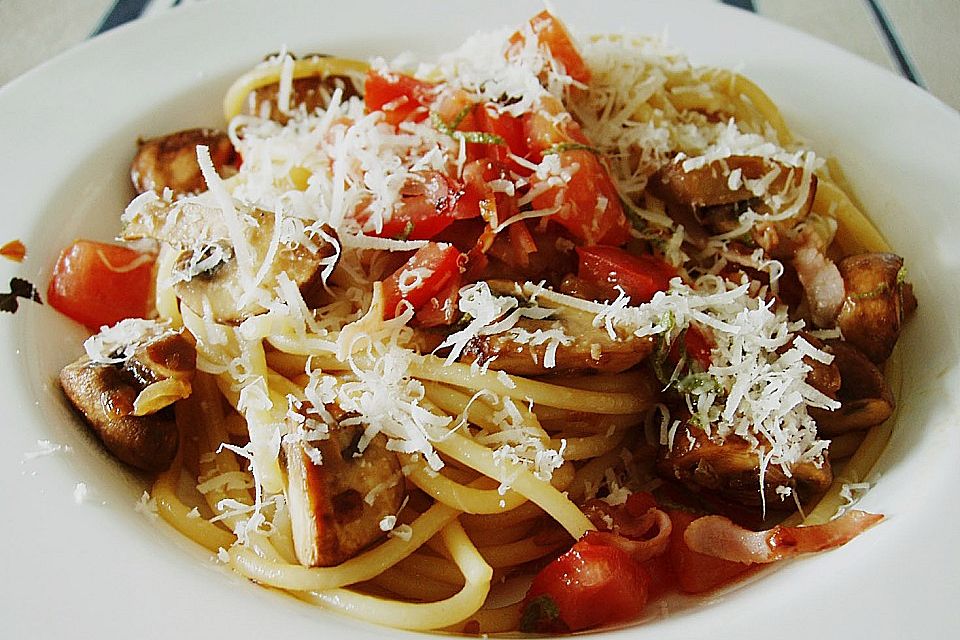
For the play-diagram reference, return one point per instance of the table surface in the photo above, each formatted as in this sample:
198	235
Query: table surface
914	38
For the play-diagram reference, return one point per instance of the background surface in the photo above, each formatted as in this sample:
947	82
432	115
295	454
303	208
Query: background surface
914	38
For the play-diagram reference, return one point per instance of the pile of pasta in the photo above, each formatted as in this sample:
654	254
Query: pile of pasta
497	467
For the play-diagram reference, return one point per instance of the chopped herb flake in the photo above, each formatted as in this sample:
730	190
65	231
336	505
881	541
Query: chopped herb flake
541	614
570	146
19	288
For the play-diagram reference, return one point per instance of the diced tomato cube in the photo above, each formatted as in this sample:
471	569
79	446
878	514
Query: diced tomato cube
640	276
399	96
440	310
696	572
589	205
545	130
427	204
589	586
490	119
552	34
423	277
698	346
479	198
100	284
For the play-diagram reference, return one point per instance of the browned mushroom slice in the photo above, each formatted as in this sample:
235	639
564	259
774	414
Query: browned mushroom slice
338	499
125	393
207	271
170	161
704	195
875	303
822	376
731	469
311	93
565	342
864	394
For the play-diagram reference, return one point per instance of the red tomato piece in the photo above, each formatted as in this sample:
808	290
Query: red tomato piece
423	277
479	199
100	284
441	310
639	502
552	34
698	345
456	110
428	201
522	243
662	578
589	586
549	128
640	276
490	119
589	203
696	572
399	96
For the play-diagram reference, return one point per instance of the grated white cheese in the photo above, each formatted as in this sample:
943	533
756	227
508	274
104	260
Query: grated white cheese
120	342
47	448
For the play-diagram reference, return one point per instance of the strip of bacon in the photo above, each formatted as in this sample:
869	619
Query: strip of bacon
719	537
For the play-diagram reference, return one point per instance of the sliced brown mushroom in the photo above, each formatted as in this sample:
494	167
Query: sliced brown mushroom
702	197
339	498
125	393
731	469
576	345
864	394
822	376
311	93
207	271
876	302
170	161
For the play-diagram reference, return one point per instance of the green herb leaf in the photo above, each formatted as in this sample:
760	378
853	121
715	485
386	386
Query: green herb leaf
478	137
540	614
448	128
881	289
901	276
560	147
407	230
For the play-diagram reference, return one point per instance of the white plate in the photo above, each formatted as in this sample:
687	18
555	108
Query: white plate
68	131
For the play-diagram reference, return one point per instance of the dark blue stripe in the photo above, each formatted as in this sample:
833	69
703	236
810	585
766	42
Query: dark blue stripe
123	11
746	5
906	68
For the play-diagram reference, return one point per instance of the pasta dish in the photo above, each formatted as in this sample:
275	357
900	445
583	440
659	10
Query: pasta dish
529	337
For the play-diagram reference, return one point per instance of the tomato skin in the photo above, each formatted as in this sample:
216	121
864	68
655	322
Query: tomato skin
551	127
590	585
479	199
491	119
578	200
552	34
399	96
441	309
640	276
696	572
441	261
94	284
427	205
698	346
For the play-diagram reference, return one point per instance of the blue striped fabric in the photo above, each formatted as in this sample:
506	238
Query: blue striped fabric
742	4
126	10
893	42
123	11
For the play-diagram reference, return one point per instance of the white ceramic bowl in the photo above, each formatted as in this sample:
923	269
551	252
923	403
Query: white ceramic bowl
68	132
